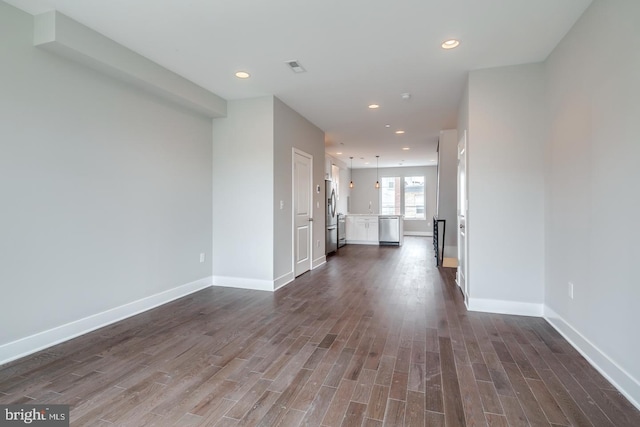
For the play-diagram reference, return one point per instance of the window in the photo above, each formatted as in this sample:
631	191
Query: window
414	197
407	199
390	195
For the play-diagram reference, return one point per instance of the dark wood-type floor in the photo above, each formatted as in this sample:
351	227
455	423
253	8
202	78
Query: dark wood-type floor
378	336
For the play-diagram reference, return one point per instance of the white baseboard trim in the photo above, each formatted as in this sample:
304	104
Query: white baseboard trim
283	280
243	283
505	307
318	262
618	376
418	233
36	342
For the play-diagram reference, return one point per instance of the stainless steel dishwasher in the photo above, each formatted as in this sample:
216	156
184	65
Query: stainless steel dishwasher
389	230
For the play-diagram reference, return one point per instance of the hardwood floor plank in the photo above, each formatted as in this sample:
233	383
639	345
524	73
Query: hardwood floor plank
490	400
513	411
259	409
245	403
481	372
529	404
292	418
319	406
453	410
433	386
339	368
339	404
494	420
399	386
369	422
562	396
309	389
385	371
434	419
378	402
416	379
394	415
414	411
579	395
354	415
285	401
470	395
547	403
362	392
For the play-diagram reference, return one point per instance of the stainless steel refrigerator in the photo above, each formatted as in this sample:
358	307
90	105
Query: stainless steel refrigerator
331	238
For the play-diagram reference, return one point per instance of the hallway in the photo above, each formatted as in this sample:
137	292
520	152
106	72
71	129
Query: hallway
377	336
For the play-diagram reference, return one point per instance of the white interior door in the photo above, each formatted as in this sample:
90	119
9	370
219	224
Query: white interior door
302	209
463	209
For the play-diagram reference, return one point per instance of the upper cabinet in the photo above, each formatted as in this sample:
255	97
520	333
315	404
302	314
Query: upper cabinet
328	167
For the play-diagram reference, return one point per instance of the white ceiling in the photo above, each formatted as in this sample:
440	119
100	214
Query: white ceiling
356	52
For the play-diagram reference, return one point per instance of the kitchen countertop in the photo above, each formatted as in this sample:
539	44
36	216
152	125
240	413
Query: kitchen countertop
361	214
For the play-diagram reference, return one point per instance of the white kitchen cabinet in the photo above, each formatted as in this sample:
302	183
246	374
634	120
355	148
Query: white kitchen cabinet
362	229
328	169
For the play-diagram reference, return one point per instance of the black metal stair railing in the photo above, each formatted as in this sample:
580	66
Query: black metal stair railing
438	243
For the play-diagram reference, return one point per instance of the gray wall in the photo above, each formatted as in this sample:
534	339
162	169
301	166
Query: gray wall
506	147
243	192
447	203
106	190
252	173
292	130
592	196
364	191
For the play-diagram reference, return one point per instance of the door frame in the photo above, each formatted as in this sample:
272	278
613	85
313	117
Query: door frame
463	252
295	151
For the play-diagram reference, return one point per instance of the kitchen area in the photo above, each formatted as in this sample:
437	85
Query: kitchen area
344	225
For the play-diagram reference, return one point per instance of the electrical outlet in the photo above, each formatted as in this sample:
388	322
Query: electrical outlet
201	257
570	290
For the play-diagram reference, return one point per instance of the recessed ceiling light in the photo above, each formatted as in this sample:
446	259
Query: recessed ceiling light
450	44
242	75
366	163
374	106
387	126
399	132
338	153
406	148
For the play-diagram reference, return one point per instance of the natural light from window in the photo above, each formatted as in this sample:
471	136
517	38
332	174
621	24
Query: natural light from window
407	199
414	197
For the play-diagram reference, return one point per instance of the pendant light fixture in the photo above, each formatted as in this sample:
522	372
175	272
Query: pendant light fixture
351	173
377	173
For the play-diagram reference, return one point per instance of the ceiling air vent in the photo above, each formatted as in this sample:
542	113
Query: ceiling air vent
295	66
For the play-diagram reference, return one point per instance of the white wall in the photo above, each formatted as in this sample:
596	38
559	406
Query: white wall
447	192
592	195
364	191
292	130
243	194
506	141
106	190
